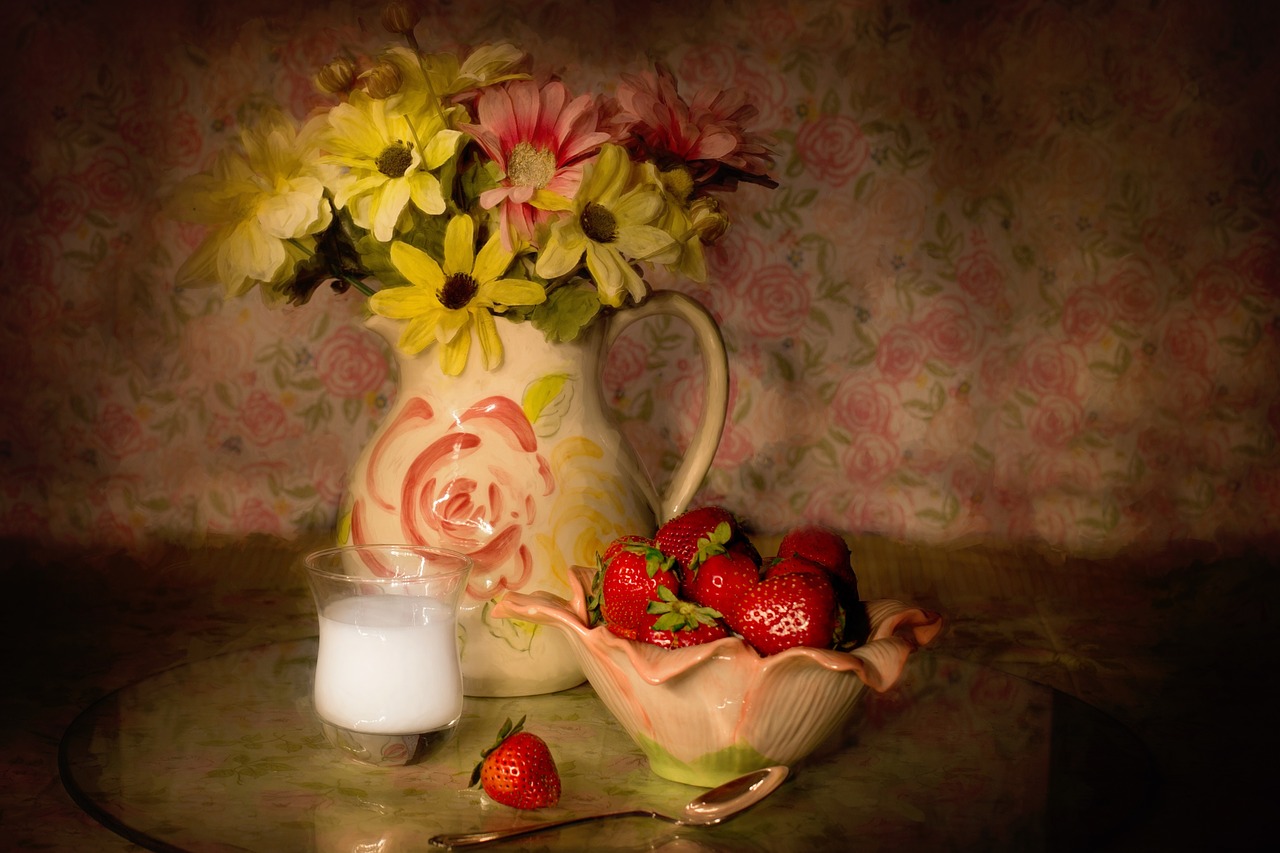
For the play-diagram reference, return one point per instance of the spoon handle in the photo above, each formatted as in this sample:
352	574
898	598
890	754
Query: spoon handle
452	841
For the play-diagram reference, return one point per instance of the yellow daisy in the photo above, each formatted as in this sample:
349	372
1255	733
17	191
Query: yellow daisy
442	304
264	201
611	224
388	161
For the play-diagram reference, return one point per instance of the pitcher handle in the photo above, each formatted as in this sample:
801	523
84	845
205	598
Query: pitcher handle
715	405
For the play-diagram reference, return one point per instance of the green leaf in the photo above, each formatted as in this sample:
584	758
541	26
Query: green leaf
542	392
1115	368
785	370
920	409
942	228
983	456
865	351
1243	343
860	187
223	393
1012	415
81	408
352	793
915	158
820	317
566	312
795	166
938	369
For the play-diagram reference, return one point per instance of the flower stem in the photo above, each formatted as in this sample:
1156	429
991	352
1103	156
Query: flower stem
358	284
425	65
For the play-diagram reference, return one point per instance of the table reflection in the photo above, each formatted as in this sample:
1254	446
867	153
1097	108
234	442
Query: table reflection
227	753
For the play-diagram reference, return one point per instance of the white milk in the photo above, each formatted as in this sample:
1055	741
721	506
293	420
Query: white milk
387	664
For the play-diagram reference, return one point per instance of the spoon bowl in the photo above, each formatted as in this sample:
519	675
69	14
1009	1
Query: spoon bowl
707	809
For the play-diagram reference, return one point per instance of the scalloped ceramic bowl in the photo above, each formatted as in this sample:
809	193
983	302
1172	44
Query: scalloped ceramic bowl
705	714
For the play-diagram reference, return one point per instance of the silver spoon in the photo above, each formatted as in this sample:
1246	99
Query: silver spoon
706	809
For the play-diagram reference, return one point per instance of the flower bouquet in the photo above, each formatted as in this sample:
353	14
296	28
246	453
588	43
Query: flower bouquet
453	189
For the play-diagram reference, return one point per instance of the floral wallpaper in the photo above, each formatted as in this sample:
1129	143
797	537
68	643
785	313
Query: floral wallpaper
1019	282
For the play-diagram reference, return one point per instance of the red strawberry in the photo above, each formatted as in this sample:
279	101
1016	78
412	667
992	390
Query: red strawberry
851	622
632	579
677	622
679	537
796	608
828	548
683	636
716	542
793	563
823	546
624	633
722	580
621	542
518	769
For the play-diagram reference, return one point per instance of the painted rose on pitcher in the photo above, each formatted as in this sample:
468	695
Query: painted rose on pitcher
475	487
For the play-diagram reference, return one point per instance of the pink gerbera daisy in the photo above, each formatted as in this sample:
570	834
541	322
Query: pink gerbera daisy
540	139
708	136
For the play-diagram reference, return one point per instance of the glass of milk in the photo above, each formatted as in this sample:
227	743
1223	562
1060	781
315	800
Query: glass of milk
388	684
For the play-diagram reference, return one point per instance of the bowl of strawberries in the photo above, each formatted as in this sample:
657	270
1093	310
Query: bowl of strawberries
717	661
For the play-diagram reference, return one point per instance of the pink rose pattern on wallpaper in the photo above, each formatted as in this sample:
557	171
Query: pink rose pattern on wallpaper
1019	281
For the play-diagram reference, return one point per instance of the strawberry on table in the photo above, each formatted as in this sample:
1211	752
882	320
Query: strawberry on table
796	608
518	770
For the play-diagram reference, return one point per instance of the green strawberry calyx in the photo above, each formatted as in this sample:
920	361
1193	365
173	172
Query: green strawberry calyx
506	731
716	542
594	614
654	560
676	614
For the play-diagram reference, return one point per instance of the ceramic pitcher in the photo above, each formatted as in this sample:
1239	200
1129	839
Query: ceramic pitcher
523	469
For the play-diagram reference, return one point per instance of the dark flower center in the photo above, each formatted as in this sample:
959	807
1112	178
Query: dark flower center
394	159
458	291
598	223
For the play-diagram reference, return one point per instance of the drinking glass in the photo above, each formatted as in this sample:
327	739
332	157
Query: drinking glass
388	684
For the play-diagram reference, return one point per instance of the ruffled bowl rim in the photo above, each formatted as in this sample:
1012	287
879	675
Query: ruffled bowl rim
897	629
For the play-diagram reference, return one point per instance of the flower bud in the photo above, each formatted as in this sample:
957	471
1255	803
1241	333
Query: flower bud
382	80
708	222
400	16
337	77
678	182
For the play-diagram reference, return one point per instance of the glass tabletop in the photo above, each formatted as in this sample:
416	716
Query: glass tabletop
226	754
